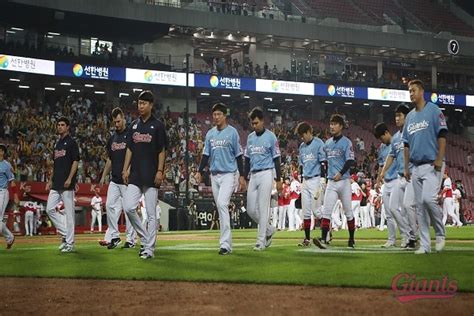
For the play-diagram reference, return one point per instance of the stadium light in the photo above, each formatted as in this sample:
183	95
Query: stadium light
365	103
348	103
65	84
72	90
49	88
386	105
442	109
23	87
88	85
268	99
225	95
16	29
328	102
10	32
99	92
54	33
289	100
205	93
458	110
137	90
14	79
123	94
246	97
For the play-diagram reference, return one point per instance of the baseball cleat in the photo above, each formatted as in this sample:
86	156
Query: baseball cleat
411	244
224	252
269	239
10	244
68	248
142	249
321	244
421	251
440	245
351	243
63	244
114	243
128	245
258	248
103	243
305	243
388	244
146	256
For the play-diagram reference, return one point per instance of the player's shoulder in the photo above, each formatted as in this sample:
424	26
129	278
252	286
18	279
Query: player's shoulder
318	140
252	135
329	141
270	133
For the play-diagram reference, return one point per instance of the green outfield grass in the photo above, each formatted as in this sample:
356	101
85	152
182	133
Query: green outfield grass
194	258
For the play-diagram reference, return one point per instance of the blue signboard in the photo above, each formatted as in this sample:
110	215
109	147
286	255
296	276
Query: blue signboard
330	90
86	71
445	98
222	82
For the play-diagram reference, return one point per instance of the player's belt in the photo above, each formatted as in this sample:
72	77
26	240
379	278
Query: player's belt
421	162
214	173
260	170
311	177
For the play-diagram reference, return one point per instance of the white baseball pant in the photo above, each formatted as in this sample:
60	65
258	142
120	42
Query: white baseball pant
29	223
397	209
64	222
113	207
131	201
259	194
426	184
448	209
309	204
223	185
282	210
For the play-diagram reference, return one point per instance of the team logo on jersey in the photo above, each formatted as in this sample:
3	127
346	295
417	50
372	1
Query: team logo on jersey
59	153
308	157
118	146
335	153
141	138
219	143
256	150
418	126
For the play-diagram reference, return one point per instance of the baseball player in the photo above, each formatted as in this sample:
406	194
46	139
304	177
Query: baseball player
62	183
262	156
96	212
295	188
388	174
274	205
340	158
356	198
283	202
402	193
143	170
457	196
223	152
424	137
312	161
6	176
30	210
116	149
448	201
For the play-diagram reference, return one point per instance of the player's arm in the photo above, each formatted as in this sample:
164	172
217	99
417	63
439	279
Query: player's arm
72	172
277	163
388	163
161	167
406	161
107	168
438	163
347	165
126	165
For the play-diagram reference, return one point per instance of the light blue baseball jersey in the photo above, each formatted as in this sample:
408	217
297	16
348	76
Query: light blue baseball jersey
310	157
384	151
421	133
222	147
6	174
262	150
337	153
